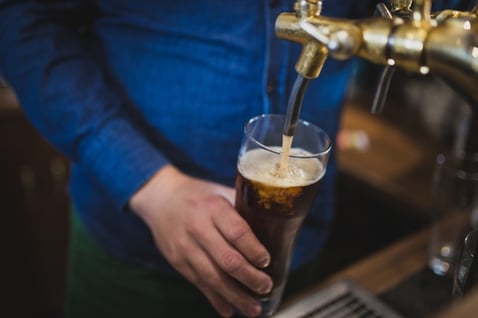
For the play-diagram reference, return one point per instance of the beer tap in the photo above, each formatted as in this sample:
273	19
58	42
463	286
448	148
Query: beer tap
405	35
385	78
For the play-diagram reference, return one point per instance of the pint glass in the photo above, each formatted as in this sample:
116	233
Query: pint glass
454	208
275	204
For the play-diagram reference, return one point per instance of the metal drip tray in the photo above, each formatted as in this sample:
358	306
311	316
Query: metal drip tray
343	299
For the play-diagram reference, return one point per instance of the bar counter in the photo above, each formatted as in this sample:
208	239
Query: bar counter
389	270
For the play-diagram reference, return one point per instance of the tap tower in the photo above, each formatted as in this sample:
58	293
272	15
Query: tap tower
405	34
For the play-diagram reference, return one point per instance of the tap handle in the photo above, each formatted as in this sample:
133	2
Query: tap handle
381	91
398	8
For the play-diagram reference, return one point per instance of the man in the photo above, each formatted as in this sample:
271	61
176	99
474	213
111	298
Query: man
148	99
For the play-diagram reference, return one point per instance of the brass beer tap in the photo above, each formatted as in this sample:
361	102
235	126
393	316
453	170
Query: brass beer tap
405	34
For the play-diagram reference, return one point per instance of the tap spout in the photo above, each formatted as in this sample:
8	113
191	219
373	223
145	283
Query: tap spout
319	37
313	54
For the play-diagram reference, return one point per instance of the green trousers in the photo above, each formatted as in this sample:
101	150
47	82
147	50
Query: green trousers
101	286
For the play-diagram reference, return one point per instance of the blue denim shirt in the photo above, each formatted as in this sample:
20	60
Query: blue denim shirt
124	87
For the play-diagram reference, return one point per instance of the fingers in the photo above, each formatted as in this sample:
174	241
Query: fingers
225	260
239	234
234	247
222	292
219	303
231	261
233	228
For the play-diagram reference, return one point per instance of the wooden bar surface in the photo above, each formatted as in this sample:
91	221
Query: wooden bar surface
383	269
390	266
387	268
462	308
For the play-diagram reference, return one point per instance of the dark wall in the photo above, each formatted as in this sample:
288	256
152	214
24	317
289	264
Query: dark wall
34	222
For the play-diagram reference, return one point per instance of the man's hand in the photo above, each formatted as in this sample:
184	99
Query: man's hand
197	229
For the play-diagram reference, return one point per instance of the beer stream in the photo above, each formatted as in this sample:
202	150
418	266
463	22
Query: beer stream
294	106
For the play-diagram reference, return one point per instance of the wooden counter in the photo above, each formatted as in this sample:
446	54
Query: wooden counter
388	268
465	308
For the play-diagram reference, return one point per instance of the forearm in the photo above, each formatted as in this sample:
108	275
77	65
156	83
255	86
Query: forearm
67	94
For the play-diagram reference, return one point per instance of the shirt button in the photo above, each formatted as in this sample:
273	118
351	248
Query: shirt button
274	3
271	86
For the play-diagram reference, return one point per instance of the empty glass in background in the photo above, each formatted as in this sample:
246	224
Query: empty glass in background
466	272
454	208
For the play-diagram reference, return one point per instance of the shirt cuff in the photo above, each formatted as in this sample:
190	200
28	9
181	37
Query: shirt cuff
121	159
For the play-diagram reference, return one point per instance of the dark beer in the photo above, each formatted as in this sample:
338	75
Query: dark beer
275	205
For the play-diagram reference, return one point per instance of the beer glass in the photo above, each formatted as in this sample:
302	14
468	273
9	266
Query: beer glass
454	208
275	202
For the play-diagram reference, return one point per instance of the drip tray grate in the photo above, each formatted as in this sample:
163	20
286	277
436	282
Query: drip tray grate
343	299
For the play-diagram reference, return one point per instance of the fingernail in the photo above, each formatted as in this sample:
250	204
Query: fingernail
254	310
264	289
227	312
264	262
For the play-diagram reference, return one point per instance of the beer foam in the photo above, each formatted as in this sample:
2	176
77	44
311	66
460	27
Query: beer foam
261	165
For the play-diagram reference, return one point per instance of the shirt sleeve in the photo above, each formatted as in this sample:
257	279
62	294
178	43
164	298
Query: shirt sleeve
67	94
452	4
